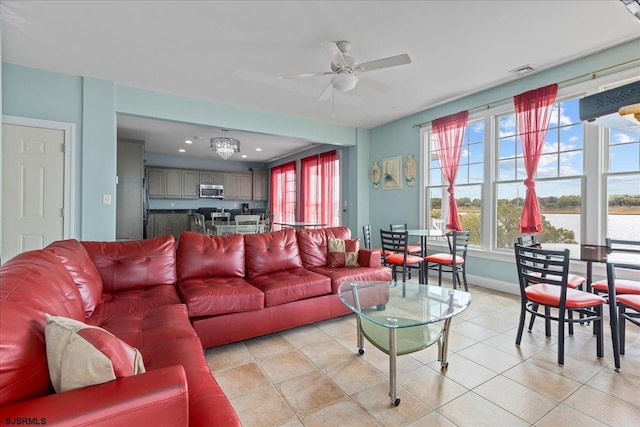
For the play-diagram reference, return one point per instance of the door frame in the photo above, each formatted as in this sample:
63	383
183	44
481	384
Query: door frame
69	129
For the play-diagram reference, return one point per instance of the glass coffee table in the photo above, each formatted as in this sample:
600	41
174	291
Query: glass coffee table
403	318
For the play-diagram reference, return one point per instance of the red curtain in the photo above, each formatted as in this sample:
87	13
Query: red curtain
319	189
282	202
533	110
449	132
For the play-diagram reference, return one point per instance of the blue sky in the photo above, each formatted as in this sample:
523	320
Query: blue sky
562	156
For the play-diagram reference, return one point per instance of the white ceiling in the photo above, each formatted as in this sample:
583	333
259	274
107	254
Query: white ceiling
231	52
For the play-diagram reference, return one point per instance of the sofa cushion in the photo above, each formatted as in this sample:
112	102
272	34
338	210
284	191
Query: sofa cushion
314	245
291	285
339	276
79	355
39	280
76	260
219	295
271	252
342	253
134	264
201	255
140	328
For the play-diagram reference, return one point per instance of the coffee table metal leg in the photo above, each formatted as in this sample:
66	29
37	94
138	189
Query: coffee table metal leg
444	345
392	367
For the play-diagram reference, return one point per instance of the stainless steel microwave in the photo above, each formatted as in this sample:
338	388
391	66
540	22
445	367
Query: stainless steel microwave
208	191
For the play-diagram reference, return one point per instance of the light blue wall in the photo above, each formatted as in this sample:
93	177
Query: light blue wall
44	95
91	105
99	160
401	138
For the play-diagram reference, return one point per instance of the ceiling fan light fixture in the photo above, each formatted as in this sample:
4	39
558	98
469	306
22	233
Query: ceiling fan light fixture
344	82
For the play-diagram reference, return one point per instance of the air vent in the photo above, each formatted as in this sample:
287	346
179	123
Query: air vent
522	70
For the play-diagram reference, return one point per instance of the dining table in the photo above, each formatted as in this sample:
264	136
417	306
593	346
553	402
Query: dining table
300	224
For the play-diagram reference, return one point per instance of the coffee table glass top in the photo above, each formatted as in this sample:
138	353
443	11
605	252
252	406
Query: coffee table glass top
407	304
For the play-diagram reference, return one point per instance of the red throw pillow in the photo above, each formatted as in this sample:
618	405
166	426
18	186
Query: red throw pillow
80	355
343	252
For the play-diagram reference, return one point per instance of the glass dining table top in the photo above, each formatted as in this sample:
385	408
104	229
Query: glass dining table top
407	305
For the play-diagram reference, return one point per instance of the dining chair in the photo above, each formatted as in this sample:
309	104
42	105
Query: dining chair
268	221
199	223
366	234
454	261
543	278
628	309
412	249
574	281
622	286
247	224
395	255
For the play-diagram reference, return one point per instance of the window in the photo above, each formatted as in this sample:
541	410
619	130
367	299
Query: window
320	189
558	177
623	185
282	202
468	185
587	179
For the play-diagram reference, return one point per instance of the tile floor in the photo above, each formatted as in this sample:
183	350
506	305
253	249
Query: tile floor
314	376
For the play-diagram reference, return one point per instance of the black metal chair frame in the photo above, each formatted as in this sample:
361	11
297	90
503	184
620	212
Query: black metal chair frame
396	242
536	266
458	242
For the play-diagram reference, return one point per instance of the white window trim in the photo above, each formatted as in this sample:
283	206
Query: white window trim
593	226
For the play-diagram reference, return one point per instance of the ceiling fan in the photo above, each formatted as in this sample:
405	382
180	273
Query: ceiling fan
346	70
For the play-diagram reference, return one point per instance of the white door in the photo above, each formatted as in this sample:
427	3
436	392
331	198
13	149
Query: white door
32	188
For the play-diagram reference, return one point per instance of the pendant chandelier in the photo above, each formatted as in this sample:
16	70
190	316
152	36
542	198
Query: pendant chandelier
225	145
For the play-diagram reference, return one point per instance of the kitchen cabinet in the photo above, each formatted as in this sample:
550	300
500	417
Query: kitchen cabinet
190	182
161	224
172	184
259	184
155	182
238	186
210	177
165	183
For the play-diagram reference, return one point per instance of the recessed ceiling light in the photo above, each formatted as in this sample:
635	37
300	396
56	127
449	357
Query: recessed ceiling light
188	141
258	149
244	156
182	150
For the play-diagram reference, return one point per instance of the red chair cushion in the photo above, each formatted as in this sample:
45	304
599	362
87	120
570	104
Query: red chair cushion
550	295
398	259
630	300
444	258
413	249
623	286
573	280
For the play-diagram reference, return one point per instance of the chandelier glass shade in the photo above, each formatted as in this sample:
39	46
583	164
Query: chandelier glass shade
225	146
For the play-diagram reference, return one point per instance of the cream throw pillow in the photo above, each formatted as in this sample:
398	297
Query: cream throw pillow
80	355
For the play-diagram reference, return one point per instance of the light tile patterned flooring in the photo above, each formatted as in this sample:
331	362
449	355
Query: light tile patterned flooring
314	376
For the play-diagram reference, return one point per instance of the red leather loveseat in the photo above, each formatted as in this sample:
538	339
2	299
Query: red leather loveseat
127	288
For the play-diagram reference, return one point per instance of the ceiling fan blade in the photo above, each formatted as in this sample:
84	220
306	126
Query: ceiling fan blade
287	76
334	53
391	61
326	93
372	84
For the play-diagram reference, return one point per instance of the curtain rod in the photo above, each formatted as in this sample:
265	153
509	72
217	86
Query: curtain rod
560	84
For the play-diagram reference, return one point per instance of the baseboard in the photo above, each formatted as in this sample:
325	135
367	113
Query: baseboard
483	282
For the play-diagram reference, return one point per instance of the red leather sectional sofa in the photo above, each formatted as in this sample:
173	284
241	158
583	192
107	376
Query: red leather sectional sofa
169	303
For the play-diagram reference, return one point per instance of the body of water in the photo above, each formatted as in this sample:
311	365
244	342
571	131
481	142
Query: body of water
619	226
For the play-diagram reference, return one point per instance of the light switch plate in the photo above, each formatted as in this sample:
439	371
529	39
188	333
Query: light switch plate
106	199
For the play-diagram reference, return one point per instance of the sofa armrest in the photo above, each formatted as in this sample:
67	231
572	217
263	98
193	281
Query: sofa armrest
369	258
158	397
